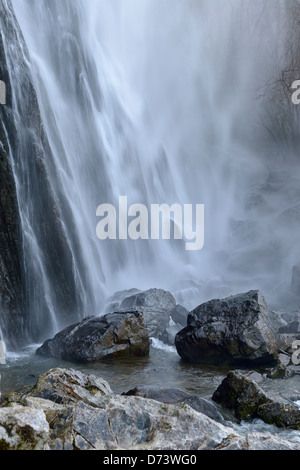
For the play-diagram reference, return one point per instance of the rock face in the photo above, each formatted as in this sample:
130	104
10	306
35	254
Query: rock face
69	386
113	336
233	330
179	397
158	307
71	419
11	262
23	428
246	398
29	205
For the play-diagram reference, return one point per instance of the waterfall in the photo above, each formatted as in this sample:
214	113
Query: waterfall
158	101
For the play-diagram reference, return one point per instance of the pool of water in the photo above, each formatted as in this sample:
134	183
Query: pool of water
163	367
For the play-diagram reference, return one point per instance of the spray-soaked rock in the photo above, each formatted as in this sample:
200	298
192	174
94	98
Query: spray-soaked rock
179	397
157	306
233	330
241	394
113	336
68	386
23	428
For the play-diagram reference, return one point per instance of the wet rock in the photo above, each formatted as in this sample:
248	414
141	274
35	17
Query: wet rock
283	415
233	330
257	441
113	336
177	396
241	394
280	372
261	441
26	157
134	423
23	428
179	315
113	303
286	342
67	386
157	306
247	400
11	265
291	328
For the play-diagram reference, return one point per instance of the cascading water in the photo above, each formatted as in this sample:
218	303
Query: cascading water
156	101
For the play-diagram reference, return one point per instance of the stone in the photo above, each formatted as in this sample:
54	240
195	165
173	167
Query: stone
67	386
112	336
234	330
179	315
177	396
283	415
23	428
114	301
157	305
128	423
257	441
241	394
247	400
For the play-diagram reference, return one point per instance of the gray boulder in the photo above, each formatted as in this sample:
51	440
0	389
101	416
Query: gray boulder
247	400
241	394
113	303
177	396
68	386
179	315
233	330
157	306
23	428
113	336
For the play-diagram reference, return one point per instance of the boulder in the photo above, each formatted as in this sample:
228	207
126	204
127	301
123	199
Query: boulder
179	315
233	330
67	386
112	336
291	328
23	428
283	415
157	305
241	394
247	400
113	303
177	396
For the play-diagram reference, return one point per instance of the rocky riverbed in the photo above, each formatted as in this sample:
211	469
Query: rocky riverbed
242	390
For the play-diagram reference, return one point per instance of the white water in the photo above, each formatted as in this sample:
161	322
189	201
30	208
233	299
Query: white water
156	100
